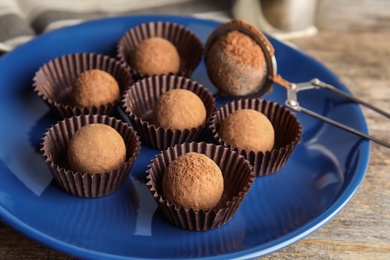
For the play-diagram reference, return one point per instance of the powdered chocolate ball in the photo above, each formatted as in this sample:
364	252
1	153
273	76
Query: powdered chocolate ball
194	181
95	88
156	56
248	129
96	148
235	64
179	109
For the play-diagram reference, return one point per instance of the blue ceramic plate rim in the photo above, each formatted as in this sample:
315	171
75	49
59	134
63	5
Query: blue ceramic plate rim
256	251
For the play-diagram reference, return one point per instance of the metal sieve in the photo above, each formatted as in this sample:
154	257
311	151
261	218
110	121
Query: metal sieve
271	76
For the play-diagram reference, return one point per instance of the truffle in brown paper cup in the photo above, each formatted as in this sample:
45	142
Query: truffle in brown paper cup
139	101
53	82
238	180
83	184
288	132
185	41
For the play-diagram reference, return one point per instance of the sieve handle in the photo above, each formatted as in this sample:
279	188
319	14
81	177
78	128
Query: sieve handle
292	103
320	84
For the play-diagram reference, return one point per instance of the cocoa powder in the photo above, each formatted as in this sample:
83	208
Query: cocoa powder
235	58
244	49
156	56
194	181
179	109
94	88
96	148
254	30
249	130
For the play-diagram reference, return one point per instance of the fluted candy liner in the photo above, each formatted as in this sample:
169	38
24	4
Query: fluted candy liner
186	42
238	180
84	184
140	99
288	132
53	82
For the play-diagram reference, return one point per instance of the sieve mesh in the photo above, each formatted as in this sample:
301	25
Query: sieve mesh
234	78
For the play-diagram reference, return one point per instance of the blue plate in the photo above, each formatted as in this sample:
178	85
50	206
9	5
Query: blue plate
319	179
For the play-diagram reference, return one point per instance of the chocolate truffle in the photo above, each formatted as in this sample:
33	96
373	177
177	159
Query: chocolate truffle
235	63
96	148
95	88
179	109
156	56
194	181
249	130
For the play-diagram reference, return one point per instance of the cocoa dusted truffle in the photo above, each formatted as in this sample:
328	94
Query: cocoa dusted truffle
194	181
96	148
235	62
156	56
95	88
249	130
179	109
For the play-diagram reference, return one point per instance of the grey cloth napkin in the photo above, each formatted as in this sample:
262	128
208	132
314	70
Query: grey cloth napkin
22	20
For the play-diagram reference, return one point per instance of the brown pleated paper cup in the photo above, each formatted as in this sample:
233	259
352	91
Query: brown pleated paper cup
238	180
83	184
186	42
53	82
288	132
139	102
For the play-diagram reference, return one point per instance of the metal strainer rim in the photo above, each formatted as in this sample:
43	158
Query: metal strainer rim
270	60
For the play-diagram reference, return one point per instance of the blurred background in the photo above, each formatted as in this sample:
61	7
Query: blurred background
21	20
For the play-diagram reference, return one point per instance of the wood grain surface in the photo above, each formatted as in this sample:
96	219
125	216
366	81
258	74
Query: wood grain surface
354	42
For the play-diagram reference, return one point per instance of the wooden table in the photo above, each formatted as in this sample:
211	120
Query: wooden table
354	42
